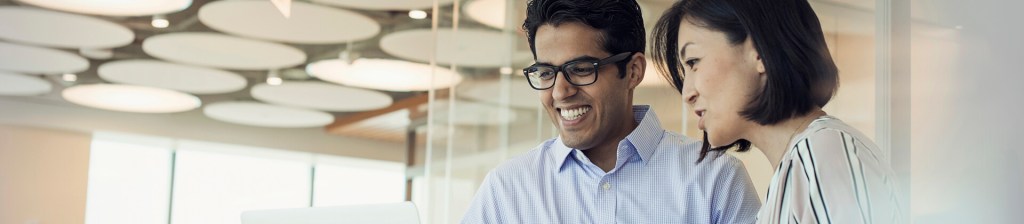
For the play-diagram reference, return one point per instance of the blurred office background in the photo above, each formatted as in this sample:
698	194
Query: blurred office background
182	111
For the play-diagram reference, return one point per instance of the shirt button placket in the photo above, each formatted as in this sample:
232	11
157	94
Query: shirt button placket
607	200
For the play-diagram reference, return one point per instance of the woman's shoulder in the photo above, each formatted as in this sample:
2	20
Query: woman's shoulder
840	167
829	135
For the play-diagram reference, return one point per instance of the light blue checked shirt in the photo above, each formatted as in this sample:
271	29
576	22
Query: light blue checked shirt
655	180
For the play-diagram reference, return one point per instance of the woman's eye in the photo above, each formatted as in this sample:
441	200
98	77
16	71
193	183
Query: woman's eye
691	62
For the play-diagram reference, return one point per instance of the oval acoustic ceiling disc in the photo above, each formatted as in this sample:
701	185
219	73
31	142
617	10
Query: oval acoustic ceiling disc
230	52
266	115
308	24
61	30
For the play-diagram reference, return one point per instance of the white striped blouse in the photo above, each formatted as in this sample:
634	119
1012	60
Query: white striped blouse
831	174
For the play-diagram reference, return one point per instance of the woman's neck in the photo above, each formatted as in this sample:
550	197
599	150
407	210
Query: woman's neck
773	140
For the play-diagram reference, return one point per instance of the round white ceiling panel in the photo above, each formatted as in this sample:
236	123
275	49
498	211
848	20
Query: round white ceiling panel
14	84
470	113
266	115
185	78
474	47
385	4
308	24
62	30
521	95
384	74
38	60
129	98
487	12
114	7
321	96
222	51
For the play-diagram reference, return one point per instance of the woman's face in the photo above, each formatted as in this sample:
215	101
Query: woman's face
720	80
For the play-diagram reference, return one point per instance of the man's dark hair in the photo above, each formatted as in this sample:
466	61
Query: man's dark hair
619	21
786	34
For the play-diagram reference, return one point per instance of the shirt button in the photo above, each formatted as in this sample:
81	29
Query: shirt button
607	186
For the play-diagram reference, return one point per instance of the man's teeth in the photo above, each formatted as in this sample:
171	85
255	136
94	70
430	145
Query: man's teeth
573	114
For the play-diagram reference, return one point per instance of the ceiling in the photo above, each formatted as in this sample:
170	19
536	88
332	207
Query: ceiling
188	21
383	123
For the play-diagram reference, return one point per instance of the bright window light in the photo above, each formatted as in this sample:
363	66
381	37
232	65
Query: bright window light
215	183
129	180
350	181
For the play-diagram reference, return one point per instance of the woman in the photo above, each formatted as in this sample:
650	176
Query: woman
757	73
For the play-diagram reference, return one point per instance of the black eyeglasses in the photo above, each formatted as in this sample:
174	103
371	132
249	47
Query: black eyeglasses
578	73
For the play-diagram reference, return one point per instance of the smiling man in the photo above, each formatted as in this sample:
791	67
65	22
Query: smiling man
612	162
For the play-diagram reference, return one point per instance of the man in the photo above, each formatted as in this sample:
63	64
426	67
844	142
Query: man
605	167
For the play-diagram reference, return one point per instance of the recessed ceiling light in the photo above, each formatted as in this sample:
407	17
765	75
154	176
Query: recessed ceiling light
417	14
160	21
69	77
273	78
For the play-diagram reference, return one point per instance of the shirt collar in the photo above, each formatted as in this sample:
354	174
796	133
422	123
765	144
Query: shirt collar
644	139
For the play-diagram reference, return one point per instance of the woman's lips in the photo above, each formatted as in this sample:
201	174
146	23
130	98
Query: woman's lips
700	117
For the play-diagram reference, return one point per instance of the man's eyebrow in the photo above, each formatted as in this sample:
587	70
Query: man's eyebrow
579	58
583	57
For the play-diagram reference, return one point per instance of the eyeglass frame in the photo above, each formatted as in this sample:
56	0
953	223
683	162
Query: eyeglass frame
561	69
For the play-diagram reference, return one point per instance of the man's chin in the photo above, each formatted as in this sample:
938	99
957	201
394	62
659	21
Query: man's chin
574	142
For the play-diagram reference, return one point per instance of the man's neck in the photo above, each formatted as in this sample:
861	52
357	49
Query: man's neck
604	154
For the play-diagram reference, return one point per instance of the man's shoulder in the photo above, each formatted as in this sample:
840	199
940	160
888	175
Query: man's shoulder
680	140
687	150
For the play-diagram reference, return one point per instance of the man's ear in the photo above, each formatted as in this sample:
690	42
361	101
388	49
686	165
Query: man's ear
636	67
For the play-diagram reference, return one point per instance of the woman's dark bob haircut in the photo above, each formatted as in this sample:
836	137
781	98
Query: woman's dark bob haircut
786	34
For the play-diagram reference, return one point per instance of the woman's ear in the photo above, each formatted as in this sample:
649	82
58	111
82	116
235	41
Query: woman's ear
760	63
753	55
637	65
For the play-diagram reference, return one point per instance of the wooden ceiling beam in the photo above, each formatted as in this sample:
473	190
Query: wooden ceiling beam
410	103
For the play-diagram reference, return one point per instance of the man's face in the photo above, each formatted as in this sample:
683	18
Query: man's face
586	116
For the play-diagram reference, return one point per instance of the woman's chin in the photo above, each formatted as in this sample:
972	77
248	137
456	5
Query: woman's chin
717	143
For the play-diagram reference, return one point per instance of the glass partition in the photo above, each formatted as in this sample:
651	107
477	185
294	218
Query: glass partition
493	115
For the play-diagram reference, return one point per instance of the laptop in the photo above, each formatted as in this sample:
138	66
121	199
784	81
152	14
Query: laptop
393	213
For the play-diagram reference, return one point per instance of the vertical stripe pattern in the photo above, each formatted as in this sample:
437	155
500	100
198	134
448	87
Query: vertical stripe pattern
831	175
